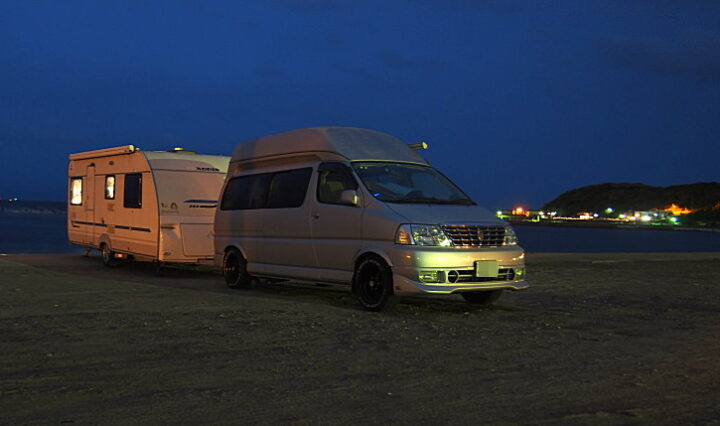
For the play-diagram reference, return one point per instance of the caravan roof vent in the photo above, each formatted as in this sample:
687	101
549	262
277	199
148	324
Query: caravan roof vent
181	150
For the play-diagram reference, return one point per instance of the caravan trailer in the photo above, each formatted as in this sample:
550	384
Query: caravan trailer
360	207
146	205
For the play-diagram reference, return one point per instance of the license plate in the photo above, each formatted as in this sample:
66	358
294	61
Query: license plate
486	268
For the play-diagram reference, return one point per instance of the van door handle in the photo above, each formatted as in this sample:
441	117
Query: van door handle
315	215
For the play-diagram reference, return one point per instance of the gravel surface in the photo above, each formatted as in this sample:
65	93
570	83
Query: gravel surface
598	339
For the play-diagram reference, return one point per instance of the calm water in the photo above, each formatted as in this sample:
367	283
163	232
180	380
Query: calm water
45	233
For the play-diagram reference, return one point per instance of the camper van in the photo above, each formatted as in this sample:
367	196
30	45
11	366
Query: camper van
360	207
144	205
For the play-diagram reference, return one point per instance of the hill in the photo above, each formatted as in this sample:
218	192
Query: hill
636	196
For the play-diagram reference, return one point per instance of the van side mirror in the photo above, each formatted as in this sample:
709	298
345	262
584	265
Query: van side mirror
349	197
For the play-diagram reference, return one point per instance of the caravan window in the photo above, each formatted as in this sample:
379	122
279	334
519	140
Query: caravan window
76	191
132	193
110	187
288	189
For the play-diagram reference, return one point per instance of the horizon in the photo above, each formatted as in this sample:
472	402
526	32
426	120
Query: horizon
15	198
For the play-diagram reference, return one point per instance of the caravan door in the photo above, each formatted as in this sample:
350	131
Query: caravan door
89	206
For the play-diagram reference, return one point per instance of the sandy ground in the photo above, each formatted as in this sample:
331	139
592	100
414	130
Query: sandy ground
598	339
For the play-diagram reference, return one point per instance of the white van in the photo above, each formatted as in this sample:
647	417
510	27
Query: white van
148	205
350	205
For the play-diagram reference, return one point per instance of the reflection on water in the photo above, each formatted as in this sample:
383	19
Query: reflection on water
46	233
34	233
549	239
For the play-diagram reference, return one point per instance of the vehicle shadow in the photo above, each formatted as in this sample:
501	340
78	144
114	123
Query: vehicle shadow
209	279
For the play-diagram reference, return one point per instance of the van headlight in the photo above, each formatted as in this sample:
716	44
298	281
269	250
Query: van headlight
511	238
422	235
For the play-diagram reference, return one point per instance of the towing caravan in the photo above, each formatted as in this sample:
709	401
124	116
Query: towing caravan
145	205
360	207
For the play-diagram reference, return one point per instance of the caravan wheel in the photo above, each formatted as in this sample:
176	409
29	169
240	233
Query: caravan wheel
108	257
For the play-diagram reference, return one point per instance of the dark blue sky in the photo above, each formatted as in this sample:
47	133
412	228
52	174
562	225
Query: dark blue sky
519	101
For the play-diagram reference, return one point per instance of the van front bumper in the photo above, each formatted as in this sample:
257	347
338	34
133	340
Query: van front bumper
404	285
447	270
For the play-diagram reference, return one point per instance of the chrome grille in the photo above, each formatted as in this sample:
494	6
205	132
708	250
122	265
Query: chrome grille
475	235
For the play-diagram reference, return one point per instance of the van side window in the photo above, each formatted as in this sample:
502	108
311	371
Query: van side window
288	189
333	180
132	193
76	191
246	192
110	187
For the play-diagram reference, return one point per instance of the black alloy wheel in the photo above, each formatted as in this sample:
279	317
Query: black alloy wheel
235	269
373	283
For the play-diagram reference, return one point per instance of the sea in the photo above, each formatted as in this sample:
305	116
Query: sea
26	232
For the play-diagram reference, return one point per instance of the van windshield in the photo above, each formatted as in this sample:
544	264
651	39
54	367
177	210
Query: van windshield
409	183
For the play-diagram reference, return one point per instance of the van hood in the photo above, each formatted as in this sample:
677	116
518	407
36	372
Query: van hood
443	213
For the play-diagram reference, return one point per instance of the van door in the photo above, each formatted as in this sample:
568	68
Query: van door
336	227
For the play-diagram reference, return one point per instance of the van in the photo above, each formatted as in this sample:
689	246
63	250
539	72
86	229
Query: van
146	205
360	207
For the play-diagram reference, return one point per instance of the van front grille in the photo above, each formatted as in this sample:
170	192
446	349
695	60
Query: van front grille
465	276
475	235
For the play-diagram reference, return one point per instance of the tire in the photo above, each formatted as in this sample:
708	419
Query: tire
373	283
108	256
235	269
482	297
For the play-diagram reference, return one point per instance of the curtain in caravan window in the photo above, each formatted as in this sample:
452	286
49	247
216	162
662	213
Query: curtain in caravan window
132	193
76	191
110	187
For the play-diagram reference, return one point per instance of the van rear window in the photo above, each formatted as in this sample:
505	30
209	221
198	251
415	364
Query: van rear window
288	189
246	192
284	189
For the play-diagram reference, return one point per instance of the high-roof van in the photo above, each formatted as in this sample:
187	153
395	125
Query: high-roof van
360	207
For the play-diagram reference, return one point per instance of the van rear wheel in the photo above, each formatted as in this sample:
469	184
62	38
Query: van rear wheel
108	256
373	283
235	269
482	297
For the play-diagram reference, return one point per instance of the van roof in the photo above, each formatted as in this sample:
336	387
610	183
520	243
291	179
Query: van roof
352	143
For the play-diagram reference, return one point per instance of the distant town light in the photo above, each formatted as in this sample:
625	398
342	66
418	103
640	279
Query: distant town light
646	218
609	210
676	210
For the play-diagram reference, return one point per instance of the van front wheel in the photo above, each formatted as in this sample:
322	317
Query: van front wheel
373	283
235	269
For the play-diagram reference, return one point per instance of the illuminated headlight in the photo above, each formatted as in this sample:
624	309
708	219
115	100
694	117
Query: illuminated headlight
511	238
422	235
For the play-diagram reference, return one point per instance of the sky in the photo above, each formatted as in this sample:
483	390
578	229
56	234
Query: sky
519	101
